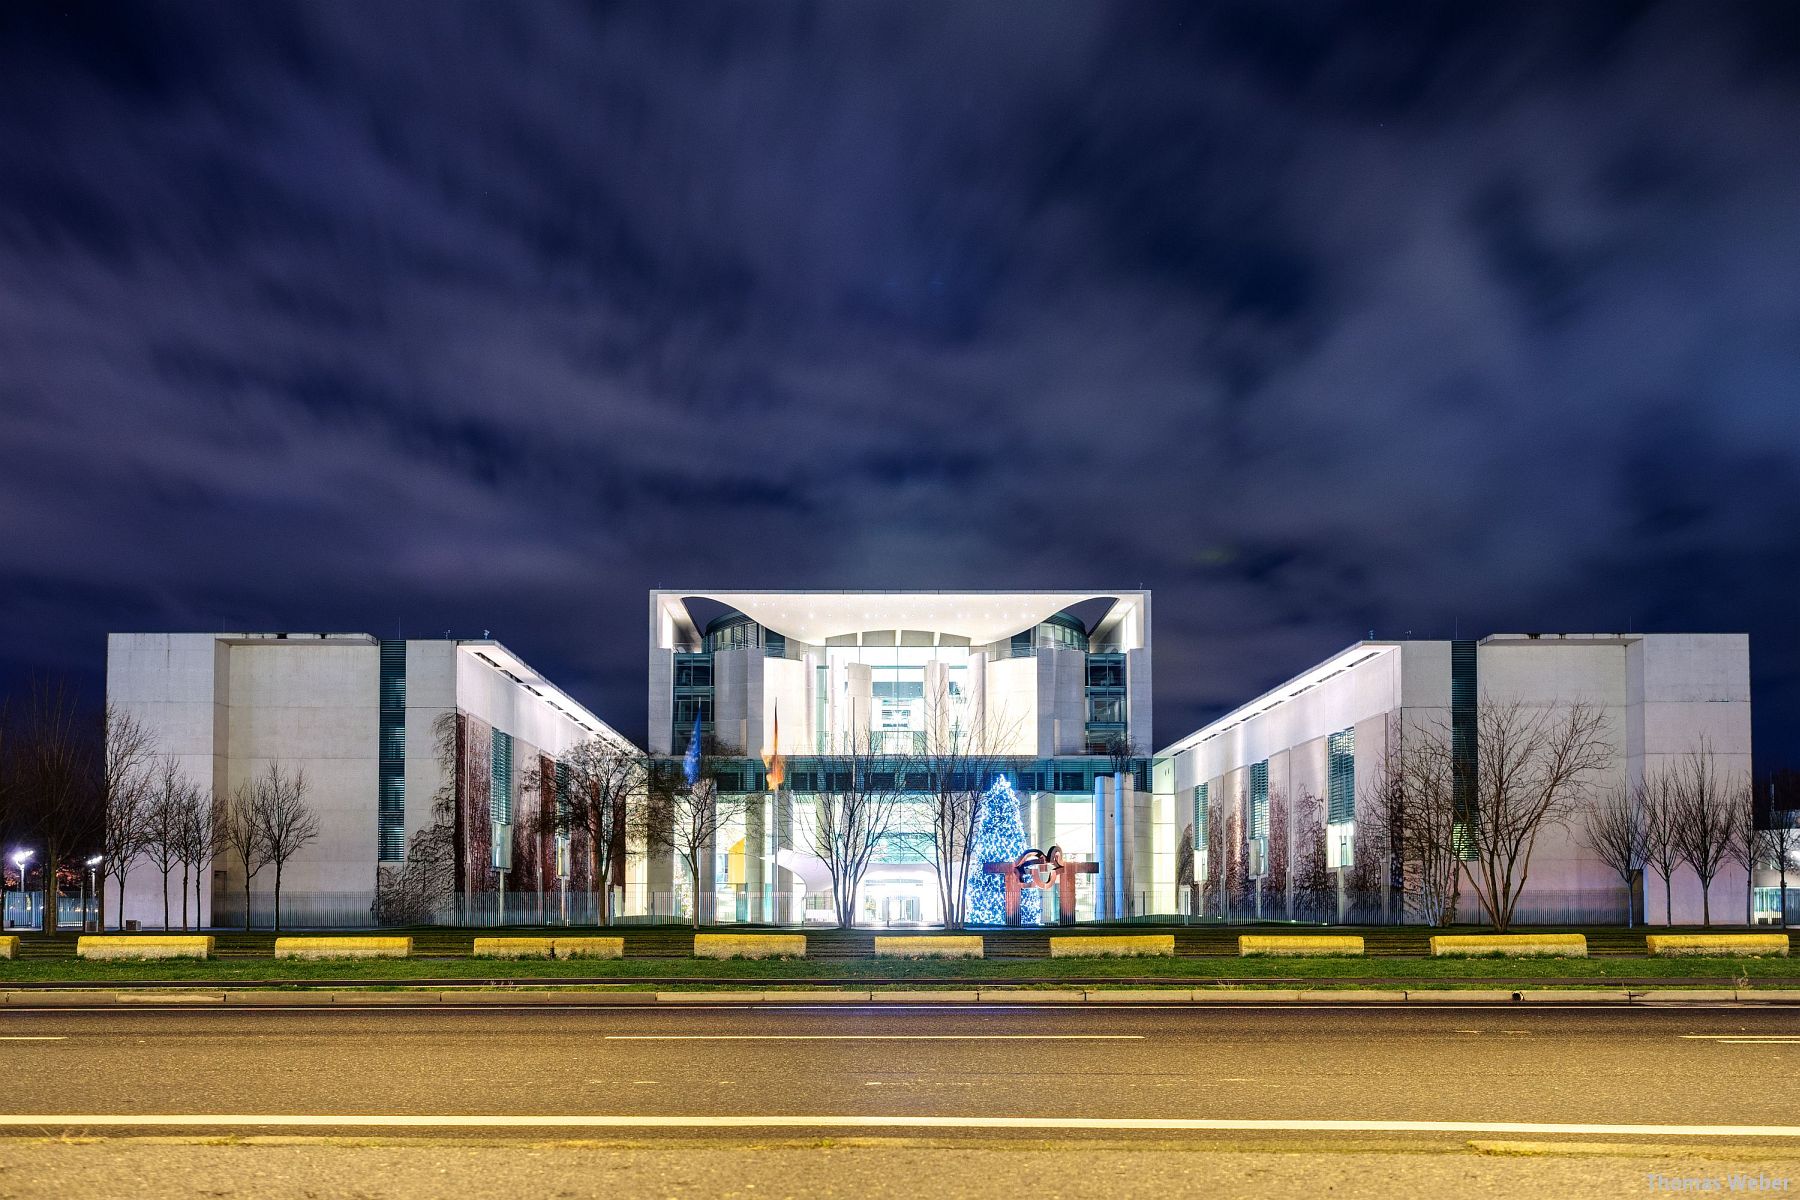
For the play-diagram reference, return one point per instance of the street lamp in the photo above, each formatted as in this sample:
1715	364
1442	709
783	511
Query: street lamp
92	863
19	857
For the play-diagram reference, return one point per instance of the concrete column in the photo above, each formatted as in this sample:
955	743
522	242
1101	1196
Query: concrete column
1103	853
757	858
1124	845
781	837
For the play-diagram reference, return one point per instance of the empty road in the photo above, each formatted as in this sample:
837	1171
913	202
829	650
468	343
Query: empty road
802	1101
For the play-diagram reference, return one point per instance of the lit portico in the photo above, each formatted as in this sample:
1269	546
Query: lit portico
1054	682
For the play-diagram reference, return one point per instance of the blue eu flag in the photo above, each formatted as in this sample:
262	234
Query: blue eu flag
690	766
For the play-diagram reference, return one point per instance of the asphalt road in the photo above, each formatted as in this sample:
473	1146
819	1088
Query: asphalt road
945	1070
872	1102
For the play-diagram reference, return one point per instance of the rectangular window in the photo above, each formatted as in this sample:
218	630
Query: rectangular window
1106	670
1201	804
693	670
689	709
500	802
1259	799
1071	781
1106	710
390	796
1340	784
1463	720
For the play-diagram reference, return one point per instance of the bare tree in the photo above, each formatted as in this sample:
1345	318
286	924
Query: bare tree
1707	813
1657	797
199	841
1411	811
1533	769
241	833
58	781
128	797
166	813
419	888
860	801
595	783
1313	891
1615	831
1751	847
1783	832
285	819
963	750
685	813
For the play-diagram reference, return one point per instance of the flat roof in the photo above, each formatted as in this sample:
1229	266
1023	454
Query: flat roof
1351	656
980	616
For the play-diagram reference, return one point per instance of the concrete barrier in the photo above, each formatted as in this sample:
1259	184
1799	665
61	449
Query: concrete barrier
143	946
514	947
1132	945
1298	945
749	945
1736	945
1509	945
929	947
9	945
588	947
343	947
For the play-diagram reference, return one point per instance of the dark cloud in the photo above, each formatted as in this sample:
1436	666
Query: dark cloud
1318	318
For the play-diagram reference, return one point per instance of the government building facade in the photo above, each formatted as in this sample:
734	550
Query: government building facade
455	746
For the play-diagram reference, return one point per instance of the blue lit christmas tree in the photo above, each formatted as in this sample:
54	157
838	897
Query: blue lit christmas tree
999	837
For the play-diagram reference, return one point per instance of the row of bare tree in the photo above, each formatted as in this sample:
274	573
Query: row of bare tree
608	796
1436	825
1688	812
157	816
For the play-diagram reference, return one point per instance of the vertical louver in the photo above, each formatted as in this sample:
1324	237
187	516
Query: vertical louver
1259	799
501	802
390	804
1340	784
1463	724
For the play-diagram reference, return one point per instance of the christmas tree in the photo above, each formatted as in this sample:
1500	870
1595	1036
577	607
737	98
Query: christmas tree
999	837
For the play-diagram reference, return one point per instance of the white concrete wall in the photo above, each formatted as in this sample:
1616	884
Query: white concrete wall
311	707
1661	695
1012	703
228	705
173	683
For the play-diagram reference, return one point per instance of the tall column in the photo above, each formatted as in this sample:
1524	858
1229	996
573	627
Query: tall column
758	860
1103	853
1124	838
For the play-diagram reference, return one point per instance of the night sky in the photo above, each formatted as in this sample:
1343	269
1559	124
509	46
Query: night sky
1317	319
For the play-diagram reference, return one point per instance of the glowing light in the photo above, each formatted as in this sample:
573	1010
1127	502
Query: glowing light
999	837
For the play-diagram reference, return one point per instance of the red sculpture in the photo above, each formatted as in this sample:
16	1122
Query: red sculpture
1043	870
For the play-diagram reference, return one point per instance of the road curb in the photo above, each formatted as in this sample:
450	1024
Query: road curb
1086	998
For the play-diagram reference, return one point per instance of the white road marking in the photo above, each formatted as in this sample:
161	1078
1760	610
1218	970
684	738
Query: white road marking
1747	1039
32	1038
874	1037
571	1121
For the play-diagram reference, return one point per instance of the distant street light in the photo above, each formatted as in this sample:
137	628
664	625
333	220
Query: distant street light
92	891
19	858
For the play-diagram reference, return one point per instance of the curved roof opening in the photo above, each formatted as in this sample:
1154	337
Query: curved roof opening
982	617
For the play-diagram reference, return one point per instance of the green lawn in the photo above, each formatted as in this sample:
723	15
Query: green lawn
1400	971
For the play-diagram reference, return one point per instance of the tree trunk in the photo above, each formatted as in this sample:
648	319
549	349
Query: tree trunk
1668	899
165	891
196	897
246	903
184	881
119	917
1706	903
50	860
277	895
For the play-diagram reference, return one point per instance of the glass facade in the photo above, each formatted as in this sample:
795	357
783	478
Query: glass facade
1340	787
390	802
500	799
